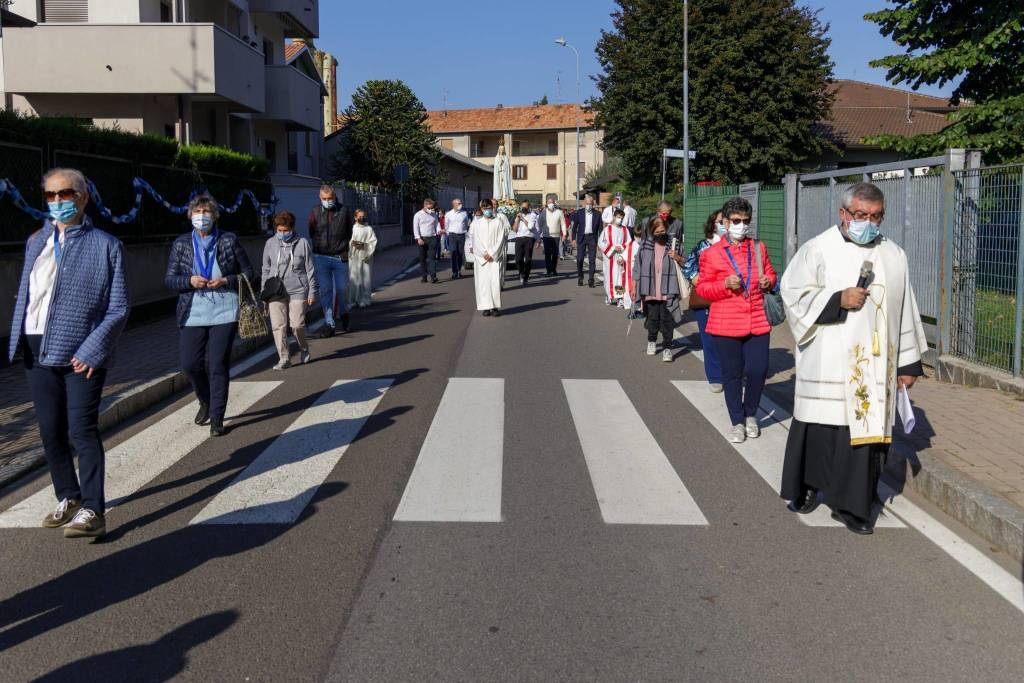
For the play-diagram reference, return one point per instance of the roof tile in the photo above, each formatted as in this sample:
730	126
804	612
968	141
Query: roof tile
536	117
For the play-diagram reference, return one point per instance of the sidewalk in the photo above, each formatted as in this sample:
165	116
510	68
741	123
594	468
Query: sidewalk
145	355
966	453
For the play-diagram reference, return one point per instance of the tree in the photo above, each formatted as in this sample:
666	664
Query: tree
541	101
980	40
759	71
387	127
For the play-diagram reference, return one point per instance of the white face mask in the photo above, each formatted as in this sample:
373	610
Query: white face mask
551	207
202	222
327	203
617	221
738	231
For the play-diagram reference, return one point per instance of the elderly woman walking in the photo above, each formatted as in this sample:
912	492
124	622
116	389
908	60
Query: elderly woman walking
288	267
656	285
203	270
71	308
734	275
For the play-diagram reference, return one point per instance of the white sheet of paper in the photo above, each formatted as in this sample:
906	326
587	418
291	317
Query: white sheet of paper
906	410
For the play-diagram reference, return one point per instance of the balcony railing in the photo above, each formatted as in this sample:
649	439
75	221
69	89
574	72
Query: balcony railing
293	97
118	59
302	17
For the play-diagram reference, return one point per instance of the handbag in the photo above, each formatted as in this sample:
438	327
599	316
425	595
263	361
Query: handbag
252	323
773	308
273	286
685	287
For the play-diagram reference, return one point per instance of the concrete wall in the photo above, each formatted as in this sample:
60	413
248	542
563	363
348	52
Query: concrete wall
118	12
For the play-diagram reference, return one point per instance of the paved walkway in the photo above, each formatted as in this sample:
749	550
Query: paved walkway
143	354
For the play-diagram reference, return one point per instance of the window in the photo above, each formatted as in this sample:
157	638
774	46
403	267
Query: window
582	171
270	152
233	17
479	149
170	131
309	143
293	153
66	10
552	147
519	173
268	52
517	148
447	143
552	171
166	15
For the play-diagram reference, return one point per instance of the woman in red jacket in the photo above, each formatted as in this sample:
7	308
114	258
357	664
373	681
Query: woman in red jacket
737	322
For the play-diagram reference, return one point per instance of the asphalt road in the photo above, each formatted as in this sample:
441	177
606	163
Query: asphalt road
714	581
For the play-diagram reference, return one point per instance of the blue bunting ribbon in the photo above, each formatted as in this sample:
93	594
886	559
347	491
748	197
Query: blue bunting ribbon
141	188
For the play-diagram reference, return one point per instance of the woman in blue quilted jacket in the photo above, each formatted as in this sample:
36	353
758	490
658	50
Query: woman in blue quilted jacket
203	270
72	306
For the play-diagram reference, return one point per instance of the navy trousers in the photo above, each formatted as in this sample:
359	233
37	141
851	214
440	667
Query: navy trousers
458	248
428	257
206	361
587	246
551	255
744	360
68	411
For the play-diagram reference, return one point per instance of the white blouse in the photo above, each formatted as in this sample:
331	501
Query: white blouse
40	288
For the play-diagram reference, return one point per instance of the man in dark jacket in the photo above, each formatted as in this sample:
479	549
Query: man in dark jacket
675	225
330	230
586	227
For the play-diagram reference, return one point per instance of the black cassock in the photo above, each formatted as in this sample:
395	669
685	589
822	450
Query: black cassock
820	456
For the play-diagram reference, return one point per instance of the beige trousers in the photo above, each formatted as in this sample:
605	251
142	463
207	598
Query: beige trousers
282	315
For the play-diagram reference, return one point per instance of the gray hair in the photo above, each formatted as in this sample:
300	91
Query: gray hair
866	192
204	201
550	196
590	195
664	203
77	179
329	188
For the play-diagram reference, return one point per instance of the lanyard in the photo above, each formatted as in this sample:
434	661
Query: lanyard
204	257
56	244
750	269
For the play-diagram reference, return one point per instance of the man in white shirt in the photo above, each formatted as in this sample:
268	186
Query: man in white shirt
527	233
630	217
426	228
608	215
456	225
553	231
586	226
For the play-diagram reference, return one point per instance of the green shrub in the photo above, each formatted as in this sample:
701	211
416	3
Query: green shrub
212	159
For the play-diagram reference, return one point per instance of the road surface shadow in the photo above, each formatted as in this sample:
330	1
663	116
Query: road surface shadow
526	308
159	661
136	570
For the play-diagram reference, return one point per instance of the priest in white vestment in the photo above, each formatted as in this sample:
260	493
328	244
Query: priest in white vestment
614	240
855	348
360	261
489	235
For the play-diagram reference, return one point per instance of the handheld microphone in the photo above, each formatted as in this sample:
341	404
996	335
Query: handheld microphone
866	270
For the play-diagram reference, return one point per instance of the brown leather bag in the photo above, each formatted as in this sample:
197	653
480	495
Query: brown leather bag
698	302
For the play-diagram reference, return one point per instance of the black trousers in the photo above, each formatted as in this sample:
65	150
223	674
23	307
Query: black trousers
524	256
744	361
457	243
551	255
68	410
428	256
586	246
206	361
659	320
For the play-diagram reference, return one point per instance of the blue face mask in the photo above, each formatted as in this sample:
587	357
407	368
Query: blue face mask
327	203
720	229
863	232
488	213
285	236
63	211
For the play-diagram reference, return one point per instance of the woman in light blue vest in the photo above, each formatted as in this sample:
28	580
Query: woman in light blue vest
203	269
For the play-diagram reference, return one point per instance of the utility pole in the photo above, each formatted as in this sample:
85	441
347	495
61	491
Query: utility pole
686	97
579	107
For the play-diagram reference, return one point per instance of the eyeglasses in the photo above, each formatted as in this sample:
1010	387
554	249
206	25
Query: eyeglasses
737	221
66	193
877	217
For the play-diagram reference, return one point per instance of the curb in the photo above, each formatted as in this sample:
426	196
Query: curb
131	403
985	513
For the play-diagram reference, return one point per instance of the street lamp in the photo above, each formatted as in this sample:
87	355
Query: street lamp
686	97
579	107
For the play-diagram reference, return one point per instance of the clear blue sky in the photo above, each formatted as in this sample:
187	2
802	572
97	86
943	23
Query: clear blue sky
453	45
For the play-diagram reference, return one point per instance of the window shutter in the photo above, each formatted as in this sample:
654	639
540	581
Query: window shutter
66	10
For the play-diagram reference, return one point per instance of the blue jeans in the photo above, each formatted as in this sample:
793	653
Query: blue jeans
332	275
712	368
206	360
457	245
744	361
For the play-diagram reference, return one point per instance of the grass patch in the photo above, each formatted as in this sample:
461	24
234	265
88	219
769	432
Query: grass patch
993	333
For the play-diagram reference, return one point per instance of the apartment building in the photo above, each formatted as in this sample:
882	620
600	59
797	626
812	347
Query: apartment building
212	71
540	141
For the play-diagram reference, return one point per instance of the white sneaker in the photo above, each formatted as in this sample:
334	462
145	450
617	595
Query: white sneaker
753	429
283	365
666	355
652	348
304	357
715	388
738	434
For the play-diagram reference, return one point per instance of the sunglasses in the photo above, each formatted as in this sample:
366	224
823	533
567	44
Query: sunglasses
737	221
66	193
864	215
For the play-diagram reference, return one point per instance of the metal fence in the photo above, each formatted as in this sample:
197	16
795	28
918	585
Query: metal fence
986	281
769	215
25	165
445	195
382	206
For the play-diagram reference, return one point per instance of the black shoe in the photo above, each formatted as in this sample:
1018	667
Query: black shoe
579	282
591	284
806	504
326	332
434	280
488	314
217	428
496	312
853	523
423	279
346	322
203	416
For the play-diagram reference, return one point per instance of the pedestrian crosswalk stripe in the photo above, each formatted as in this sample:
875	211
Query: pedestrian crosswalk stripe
135	462
276	487
764	454
457	477
632	477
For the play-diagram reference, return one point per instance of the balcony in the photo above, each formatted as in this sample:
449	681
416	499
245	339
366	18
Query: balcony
147	59
301	17
293	97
